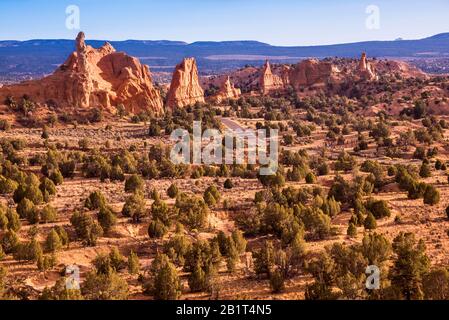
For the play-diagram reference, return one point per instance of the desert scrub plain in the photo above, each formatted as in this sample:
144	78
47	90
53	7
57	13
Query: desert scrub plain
359	184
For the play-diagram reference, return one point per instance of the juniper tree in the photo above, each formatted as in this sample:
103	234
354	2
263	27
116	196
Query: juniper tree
370	222
95	201
134	207
133	263
165	283
106	218
134	184
53	243
409	267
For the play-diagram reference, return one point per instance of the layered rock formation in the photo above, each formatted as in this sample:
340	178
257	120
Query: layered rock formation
306	73
185	86
94	78
270	82
311	72
227	91
366	70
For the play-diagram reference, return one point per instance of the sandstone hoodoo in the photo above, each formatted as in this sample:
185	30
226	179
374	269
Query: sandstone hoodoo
227	91
93	78
270	82
185	88
365	69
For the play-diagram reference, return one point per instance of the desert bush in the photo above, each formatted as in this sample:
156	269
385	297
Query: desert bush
370	222
5	125
409	267
86	228
228	184
277	281
431	195
48	214
67	168
47	187
60	292
202	261
264	259
310	178
135	207
379	208
345	162
25	208
425	171
57	177
134	184
173	191
436	284
161	212
133	263
3	219
7	186
95	201
106	218
352	230
192	211
99	286
63	236
177	248
28	251
30	190
165	283
13	220
53	242
9	241
157	229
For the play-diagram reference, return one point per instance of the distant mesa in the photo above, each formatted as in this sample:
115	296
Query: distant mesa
93	78
185	88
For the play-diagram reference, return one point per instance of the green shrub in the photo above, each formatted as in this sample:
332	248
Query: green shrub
157	229
370	222
135	207
173	191
95	201
165	284
228	184
431	195
277	281
379	208
310	178
48	214
352	230
106	218
86	228
134	184
53	242
25	208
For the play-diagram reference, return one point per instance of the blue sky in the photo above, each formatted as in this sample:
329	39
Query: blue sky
278	22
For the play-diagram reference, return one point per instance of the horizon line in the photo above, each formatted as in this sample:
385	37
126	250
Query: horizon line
224	41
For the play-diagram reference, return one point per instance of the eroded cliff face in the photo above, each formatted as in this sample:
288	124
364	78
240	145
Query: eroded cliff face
306	73
94	78
310	72
185	86
227	91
